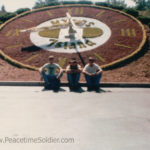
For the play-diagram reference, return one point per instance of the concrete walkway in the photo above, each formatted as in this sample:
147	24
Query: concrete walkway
114	119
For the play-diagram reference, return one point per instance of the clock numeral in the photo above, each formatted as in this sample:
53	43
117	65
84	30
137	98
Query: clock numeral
62	61
8	33
32	57
77	11
122	45
53	42
128	32
121	20
49	13
70	11
99	57
11	32
81	45
100	13
15	46
81	11
27	20
90	43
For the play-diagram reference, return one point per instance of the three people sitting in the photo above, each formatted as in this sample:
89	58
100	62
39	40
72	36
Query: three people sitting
52	72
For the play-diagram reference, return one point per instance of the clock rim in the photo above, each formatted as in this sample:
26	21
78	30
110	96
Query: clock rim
106	66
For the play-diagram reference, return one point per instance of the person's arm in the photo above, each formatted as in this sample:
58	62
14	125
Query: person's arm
60	72
79	69
68	70
99	70
42	68
86	72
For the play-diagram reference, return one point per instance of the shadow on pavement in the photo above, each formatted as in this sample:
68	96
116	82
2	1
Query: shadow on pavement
56	91
79	90
102	91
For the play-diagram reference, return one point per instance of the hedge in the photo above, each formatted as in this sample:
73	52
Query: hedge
102	4
6	16
131	11
85	2
21	10
116	7
71	2
144	20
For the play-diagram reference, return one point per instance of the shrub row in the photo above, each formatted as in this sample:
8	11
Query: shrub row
21	10
146	20
6	16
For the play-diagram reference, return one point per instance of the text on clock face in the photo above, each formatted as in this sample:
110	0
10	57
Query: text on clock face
80	33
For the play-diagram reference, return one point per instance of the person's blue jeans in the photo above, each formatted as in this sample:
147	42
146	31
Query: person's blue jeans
73	79
93	81
51	81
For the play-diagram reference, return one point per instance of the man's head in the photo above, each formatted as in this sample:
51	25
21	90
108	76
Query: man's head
51	59
73	62
91	61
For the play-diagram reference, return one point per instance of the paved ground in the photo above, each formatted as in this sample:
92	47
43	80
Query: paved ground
114	119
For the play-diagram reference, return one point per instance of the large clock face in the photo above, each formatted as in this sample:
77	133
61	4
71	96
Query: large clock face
106	34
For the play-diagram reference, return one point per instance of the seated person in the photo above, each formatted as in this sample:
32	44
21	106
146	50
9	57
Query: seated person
73	74
50	75
93	74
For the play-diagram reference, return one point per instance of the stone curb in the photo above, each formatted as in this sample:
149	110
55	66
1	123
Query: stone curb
112	84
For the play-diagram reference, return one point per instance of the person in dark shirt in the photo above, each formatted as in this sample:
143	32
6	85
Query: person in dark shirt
73	71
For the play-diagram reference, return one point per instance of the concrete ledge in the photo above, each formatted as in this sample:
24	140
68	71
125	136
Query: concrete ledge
112	84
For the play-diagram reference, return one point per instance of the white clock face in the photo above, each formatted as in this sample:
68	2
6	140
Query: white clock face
92	34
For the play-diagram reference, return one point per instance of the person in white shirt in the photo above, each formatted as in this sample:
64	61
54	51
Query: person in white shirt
93	74
50	75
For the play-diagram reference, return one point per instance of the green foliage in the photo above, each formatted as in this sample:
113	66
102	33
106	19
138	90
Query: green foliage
53	4
4	17
149	24
140	7
69	2
116	7
21	10
142	4
102	4
132	12
1	22
3	8
143	19
43	3
145	13
85	2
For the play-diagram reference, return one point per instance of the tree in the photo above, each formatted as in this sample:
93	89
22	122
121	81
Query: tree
116	2
3	8
141	4
42	3
148	4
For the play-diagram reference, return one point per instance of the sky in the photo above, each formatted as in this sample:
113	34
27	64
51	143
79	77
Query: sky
13	5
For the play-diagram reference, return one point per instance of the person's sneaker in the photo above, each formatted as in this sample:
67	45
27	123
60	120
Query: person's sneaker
56	89
89	88
47	86
97	89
